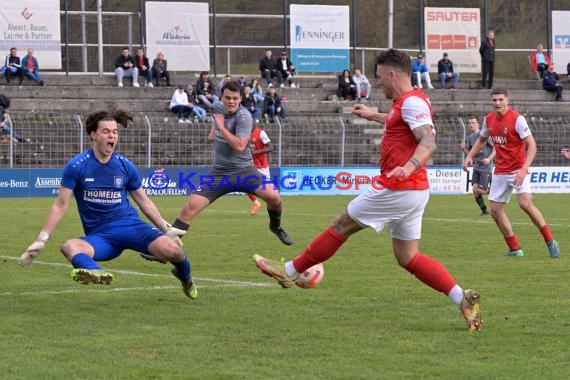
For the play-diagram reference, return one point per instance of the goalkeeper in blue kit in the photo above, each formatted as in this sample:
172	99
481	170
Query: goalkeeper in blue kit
100	180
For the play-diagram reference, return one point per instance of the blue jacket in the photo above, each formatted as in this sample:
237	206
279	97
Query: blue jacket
417	66
549	79
25	63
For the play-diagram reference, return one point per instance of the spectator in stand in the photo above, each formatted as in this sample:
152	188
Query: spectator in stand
286	68
242	82
268	69
446	73
550	82
6	124
420	71
487	51
568	71
198	111
32	68
12	66
180	105
144	68
273	105
160	69
218	90
362	84
249	102
539	61
126	65
346	87
257	91
565	152
205	91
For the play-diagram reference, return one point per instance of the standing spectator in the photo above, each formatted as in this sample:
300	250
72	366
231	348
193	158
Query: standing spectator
126	65
362	84
32	68
249	102
539	60
260	145
257	91
516	149
446	73
198	111
286	68
233	166
268	69
487	51
160	69
346	88
420	71
180	105
482	168
550	82
12	66
205	91
101	181
272	104
397	204
144	68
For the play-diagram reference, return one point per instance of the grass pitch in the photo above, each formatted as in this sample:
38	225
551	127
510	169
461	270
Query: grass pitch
369	319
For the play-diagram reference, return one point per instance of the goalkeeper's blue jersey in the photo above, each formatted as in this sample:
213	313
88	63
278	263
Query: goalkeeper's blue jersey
101	189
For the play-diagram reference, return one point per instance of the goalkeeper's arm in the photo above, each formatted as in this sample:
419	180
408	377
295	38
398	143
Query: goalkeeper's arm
57	211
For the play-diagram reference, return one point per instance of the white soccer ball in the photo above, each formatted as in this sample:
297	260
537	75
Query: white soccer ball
311	277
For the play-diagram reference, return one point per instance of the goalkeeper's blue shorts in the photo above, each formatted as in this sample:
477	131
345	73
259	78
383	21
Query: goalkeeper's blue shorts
110	240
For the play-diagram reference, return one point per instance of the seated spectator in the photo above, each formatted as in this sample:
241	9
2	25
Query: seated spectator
565	152
272	104
257	91
197	111
568	71
420	71
539	61
31	67
125	65
249	102
286	68
550	82
160	69
218	90
346	87
362	84
144	68
242	82
268	69
179	105
205	91
12	66
6	125
446	73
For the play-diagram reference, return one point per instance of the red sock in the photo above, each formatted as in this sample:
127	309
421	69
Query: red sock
319	250
252	197
431	272
545	231
513	242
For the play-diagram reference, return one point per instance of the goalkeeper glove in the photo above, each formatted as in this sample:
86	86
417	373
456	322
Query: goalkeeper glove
175	234
34	249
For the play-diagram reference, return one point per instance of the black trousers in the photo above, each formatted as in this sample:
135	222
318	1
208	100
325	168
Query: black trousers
558	89
488	71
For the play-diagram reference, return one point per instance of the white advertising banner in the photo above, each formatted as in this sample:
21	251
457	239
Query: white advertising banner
456	31
561	40
181	31
320	37
31	24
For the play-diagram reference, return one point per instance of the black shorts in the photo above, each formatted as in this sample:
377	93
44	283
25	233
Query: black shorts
216	185
481	178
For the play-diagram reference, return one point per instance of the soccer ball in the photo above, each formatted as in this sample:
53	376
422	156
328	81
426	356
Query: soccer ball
311	277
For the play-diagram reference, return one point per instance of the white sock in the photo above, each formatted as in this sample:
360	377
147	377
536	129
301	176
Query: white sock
290	270
456	295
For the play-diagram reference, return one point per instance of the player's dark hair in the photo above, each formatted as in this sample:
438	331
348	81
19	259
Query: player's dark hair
473	117
396	59
499	91
232	86
120	116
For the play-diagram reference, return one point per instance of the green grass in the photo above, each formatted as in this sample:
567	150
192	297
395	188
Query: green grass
369	319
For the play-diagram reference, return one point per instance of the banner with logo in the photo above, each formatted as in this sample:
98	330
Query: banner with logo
31	24
320	38
456	31
181	31
561	40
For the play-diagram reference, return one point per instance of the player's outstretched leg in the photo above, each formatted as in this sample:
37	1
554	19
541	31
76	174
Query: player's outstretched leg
188	286
91	276
275	269
470	309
